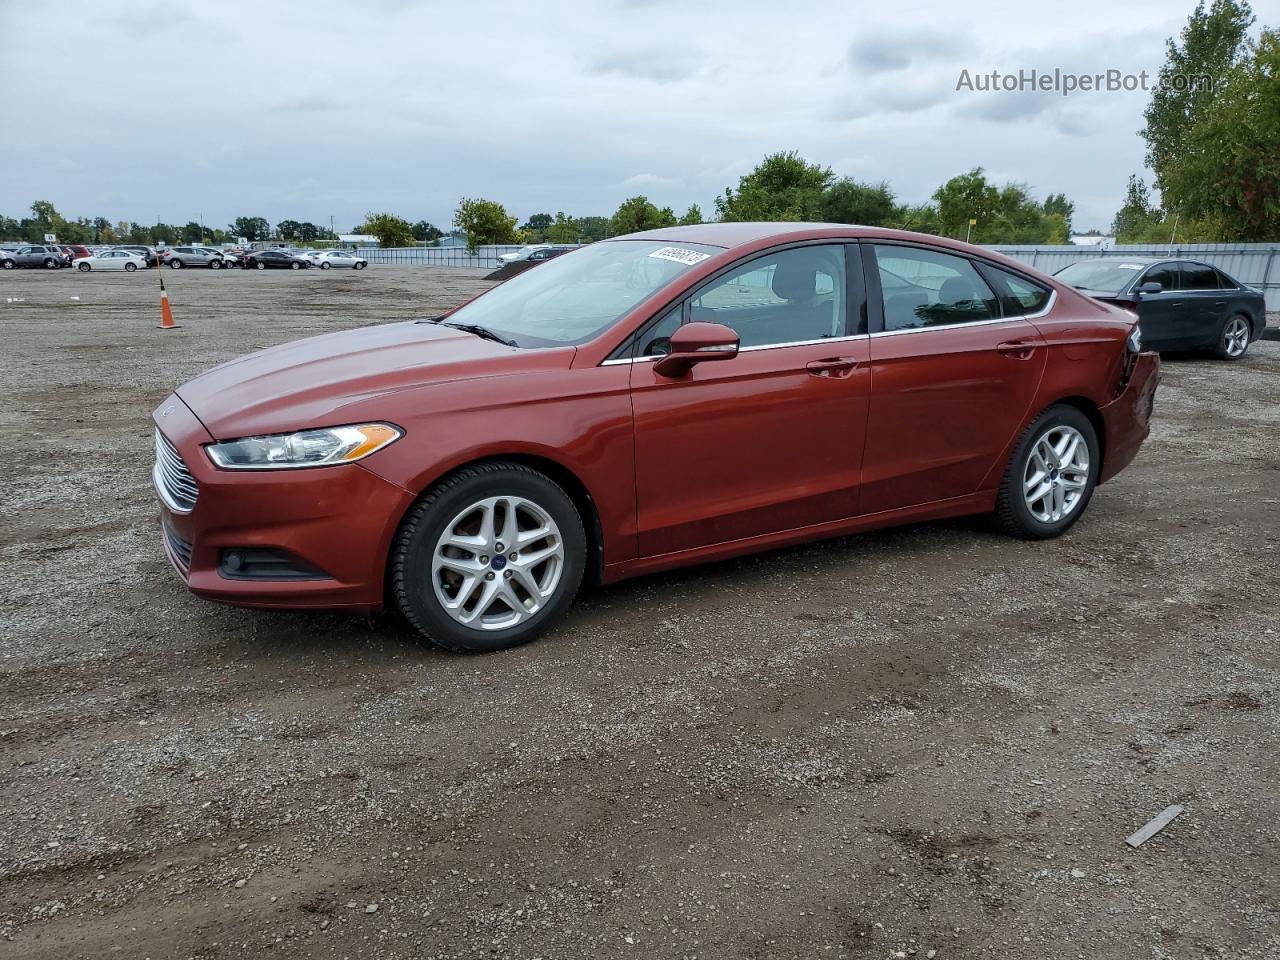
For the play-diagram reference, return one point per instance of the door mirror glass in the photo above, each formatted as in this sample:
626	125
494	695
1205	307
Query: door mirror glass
697	343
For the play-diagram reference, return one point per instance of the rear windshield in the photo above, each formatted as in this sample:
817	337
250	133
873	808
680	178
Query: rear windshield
1105	276
576	296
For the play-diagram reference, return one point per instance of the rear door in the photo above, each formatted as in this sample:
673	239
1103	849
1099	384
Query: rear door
1206	301
772	439
953	372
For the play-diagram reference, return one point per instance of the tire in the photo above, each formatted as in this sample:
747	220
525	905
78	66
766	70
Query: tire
1234	334
7	264
326	265
358	266
83	267
130	267
421	585
295	266
260	265
1053	515
215	264
50	263
175	264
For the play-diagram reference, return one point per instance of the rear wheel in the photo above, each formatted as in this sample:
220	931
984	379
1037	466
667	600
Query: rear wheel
491	558
131	267
1233	337
260	265
1050	477
50	263
325	265
83	267
215	264
7	264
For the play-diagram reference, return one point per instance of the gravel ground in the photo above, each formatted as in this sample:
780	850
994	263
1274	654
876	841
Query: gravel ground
923	742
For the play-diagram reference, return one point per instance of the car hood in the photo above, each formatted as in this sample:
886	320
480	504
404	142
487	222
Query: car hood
307	383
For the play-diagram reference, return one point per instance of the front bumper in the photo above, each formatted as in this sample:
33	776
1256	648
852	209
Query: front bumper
1127	418
338	520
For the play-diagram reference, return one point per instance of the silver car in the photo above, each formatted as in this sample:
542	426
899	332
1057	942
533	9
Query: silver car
326	259
179	257
37	255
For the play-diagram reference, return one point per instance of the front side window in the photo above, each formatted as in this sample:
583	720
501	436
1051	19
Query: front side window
791	296
571	299
1165	274
922	288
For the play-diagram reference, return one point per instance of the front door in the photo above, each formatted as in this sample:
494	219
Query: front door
772	439
1166	318
953	371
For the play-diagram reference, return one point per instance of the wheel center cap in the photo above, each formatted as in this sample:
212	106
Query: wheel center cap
498	562
1053	474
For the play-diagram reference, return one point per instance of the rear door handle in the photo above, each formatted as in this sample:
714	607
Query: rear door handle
831	366
1018	349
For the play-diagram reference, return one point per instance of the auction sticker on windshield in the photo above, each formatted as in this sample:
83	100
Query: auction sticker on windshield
680	255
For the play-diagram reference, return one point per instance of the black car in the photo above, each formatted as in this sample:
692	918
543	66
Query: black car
273	260
1181	304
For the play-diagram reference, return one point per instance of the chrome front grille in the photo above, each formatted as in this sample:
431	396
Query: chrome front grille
177	488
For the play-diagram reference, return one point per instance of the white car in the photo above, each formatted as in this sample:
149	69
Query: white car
111	260
325	259
522	253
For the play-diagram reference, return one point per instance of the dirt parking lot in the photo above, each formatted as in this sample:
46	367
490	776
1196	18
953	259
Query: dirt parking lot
923	742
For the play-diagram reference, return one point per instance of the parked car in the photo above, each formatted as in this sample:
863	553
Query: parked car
535	252
192	256
1181	304
148	254
111	260
651	401
327	259
38	255
273	260
73	251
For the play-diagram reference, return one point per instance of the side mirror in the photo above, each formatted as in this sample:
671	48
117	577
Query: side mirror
697	343
1150	287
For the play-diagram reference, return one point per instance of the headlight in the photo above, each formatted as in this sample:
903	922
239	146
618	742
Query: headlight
306	448
1135	340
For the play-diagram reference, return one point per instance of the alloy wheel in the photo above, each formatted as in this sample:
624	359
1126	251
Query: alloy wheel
497	563
1235	339
1056	475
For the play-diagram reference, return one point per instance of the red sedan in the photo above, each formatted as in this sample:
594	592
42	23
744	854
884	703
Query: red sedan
656	400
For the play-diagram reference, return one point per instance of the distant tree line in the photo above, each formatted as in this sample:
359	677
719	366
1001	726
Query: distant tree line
1214	152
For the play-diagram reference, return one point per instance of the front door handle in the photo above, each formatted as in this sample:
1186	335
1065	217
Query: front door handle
832	366
1018	349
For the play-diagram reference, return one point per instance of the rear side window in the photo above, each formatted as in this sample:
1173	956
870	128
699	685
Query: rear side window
1165	274
1225	282
1198	276
1019	295
921	288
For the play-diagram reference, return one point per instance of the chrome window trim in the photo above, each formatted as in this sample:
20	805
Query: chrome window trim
617	361
1053	297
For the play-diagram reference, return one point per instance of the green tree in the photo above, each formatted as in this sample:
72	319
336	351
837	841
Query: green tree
692	216
163	233
1136	214
484	222
537	225
288	229
308	232
783	187
1211	43
9	228
422	230
964	198
637	213
251	228
848	201
1226	180
1057	204
592	229
563	229
391	231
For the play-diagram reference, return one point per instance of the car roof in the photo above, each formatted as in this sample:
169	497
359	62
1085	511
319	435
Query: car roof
730	235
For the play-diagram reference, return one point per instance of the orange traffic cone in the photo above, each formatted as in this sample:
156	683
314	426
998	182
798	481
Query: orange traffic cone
166	315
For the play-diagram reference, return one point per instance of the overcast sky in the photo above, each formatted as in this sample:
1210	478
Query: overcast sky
138	110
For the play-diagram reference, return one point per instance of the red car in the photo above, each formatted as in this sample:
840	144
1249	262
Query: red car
655	400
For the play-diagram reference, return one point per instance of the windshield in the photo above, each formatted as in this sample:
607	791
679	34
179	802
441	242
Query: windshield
1106	276
572	298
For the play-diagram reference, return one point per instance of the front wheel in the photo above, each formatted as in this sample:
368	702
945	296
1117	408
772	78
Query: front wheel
130	267
260	265
50	263
360	266
7	264
296	266
1233	337
1050	477
83	267
491	558
215	264
175	264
